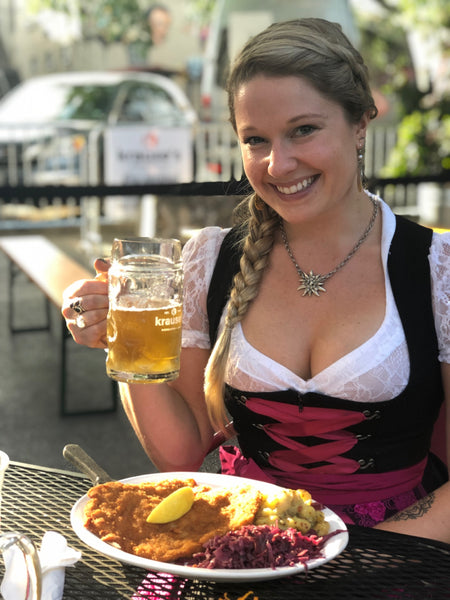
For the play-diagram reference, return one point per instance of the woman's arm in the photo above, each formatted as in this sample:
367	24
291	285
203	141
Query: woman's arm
430	516
170	419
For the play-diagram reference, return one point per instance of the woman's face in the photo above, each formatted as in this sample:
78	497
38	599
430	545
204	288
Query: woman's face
299	150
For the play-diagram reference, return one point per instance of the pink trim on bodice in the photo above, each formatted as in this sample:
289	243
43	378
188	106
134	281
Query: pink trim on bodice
325	423
336	479
364	495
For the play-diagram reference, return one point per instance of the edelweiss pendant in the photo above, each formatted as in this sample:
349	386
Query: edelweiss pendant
312	284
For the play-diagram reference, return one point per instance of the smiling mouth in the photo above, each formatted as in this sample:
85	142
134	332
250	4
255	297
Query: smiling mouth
298	187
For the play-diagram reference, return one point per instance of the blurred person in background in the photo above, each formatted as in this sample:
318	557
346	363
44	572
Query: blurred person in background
159	21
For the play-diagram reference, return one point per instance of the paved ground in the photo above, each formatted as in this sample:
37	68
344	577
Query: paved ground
31	429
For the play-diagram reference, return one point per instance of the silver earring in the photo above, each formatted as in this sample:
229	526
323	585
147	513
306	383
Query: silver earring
361	145
360	158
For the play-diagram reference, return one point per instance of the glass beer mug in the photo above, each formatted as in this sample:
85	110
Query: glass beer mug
145	310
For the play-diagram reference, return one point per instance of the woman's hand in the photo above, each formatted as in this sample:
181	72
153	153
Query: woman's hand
85	307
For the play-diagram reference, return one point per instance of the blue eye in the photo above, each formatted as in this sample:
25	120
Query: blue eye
253	140
304	130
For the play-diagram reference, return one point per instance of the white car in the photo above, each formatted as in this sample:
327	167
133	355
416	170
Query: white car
53	128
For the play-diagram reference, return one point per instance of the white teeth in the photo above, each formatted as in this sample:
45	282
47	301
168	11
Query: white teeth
301	185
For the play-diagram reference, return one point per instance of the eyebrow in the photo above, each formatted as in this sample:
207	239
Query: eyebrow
306	116
303	116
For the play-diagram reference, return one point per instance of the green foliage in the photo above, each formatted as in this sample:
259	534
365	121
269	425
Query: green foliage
384	48
429	16
106	20
423	145
118	21
34	6
201	9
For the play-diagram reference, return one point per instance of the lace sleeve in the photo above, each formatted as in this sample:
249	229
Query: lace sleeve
440	276
199	257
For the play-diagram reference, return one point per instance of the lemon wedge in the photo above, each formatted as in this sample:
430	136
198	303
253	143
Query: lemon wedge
174	506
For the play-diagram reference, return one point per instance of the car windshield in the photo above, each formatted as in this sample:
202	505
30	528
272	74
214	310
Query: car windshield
38	102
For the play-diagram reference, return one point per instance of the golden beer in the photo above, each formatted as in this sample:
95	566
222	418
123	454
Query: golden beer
145	290
144	343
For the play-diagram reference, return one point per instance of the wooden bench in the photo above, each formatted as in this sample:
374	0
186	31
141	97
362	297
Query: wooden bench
51	270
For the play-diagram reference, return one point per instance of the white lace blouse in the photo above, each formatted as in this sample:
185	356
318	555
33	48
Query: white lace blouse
377	370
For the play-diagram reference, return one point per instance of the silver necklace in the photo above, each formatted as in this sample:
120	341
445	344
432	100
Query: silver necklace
311	283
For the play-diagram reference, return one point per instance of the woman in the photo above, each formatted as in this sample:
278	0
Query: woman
327	360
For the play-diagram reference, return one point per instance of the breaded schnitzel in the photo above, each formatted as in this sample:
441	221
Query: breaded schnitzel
117	512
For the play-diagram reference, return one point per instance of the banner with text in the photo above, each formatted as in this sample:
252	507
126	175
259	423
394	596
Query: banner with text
136	154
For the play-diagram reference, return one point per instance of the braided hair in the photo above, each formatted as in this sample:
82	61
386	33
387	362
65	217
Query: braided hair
318	51
314	49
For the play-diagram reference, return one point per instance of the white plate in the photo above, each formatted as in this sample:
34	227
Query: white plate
334	546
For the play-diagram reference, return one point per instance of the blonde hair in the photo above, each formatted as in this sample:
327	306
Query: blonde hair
318	51
314	49
262	222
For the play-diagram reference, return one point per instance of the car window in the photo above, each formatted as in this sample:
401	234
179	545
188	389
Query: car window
150	104
92	102
37	102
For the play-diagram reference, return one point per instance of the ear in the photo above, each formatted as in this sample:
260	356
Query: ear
361	127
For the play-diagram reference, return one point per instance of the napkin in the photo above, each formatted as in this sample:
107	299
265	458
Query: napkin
54	556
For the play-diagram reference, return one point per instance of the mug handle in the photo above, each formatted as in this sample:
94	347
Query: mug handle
29	551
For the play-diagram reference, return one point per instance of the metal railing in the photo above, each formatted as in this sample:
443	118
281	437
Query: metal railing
400	192
63	154
84	207
61	182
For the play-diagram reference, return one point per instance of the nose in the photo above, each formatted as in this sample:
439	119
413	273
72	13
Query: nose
281	160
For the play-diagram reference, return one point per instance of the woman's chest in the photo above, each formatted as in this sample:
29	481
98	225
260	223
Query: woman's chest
308	333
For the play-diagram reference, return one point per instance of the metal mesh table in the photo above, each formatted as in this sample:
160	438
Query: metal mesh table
375	564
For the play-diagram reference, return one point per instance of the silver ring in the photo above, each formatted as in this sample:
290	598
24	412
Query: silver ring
80	321
77	306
